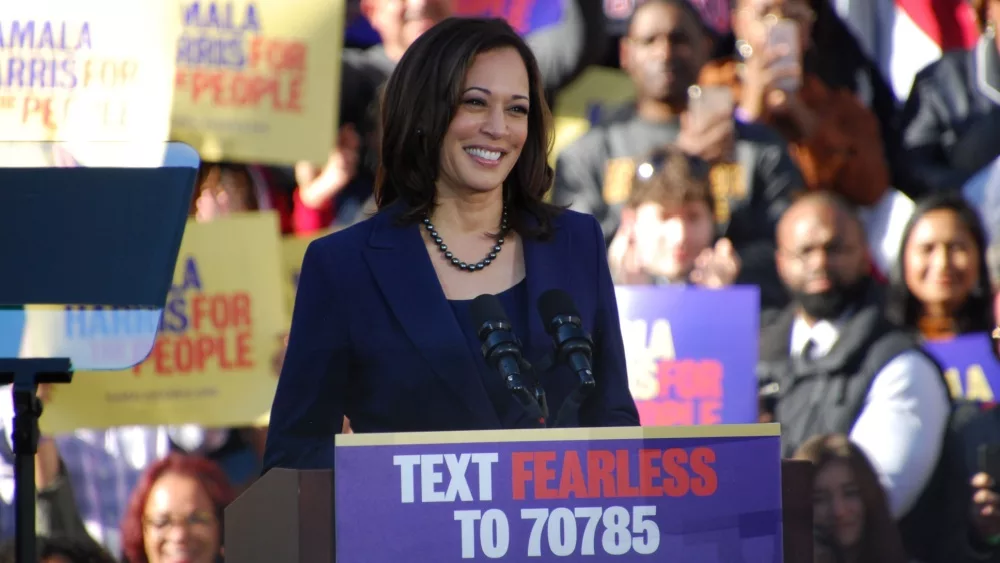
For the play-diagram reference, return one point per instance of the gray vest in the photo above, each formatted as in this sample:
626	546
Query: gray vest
826	395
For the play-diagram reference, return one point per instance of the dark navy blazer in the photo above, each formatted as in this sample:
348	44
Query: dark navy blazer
374	338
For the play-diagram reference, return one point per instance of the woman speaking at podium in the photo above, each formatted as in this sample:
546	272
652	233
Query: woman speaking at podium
381	330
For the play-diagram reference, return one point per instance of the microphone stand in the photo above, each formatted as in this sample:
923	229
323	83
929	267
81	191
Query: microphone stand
569	413
26	375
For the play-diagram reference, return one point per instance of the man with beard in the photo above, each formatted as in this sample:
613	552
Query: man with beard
752	176
563	51
834	364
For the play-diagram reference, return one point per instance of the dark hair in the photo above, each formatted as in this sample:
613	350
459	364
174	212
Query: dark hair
831	200
837	58
210	174
976	315
672	178
880	540
206	472
981	9
685	6
417	107
76	550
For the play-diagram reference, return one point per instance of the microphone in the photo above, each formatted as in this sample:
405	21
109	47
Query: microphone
573	344
502	351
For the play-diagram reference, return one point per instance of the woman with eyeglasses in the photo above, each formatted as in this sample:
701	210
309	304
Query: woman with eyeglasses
175	513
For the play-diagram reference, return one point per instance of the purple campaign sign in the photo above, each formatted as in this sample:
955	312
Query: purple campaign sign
692	353
705	494
971	368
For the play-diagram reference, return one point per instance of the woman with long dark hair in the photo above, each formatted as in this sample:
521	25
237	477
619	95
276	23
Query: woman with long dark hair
383	329
850	513
940	283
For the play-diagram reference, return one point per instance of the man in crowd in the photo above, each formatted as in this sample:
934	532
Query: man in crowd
753	177
563	51
840	367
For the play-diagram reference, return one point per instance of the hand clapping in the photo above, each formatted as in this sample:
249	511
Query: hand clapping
716	268
985	508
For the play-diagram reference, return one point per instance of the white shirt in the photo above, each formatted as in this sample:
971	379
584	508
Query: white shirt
902	424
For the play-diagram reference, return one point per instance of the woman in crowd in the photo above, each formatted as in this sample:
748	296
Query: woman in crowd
382	329
940	284
836	141
851	516
176	512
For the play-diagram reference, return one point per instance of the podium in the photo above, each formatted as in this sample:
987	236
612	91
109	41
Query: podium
286	516
289	516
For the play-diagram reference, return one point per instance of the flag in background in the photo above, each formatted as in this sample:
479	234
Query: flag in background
921	31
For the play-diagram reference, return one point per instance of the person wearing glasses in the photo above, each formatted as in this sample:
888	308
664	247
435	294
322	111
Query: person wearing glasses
176	512
839	365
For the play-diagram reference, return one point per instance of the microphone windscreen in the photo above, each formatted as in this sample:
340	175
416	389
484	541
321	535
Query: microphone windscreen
554	303
486	308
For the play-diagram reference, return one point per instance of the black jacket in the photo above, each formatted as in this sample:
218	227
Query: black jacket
951	121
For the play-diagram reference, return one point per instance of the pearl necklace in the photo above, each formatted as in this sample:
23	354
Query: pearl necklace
465	266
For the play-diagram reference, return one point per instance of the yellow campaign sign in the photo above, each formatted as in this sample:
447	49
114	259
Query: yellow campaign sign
597	89
212	360
72	70
258	81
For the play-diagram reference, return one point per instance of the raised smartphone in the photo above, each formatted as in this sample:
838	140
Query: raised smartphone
784	33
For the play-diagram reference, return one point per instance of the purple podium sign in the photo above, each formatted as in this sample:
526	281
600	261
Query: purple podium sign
691	353
710	494
970	366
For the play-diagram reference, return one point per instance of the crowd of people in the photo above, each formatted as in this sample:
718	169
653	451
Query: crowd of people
761	152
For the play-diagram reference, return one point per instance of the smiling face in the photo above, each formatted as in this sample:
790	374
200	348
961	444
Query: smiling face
941	260
179	522
490	126
837	504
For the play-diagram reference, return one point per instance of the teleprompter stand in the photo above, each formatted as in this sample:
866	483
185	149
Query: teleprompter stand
103	234
25	375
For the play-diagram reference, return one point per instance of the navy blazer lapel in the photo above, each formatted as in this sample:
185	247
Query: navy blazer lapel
543	261
405	275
